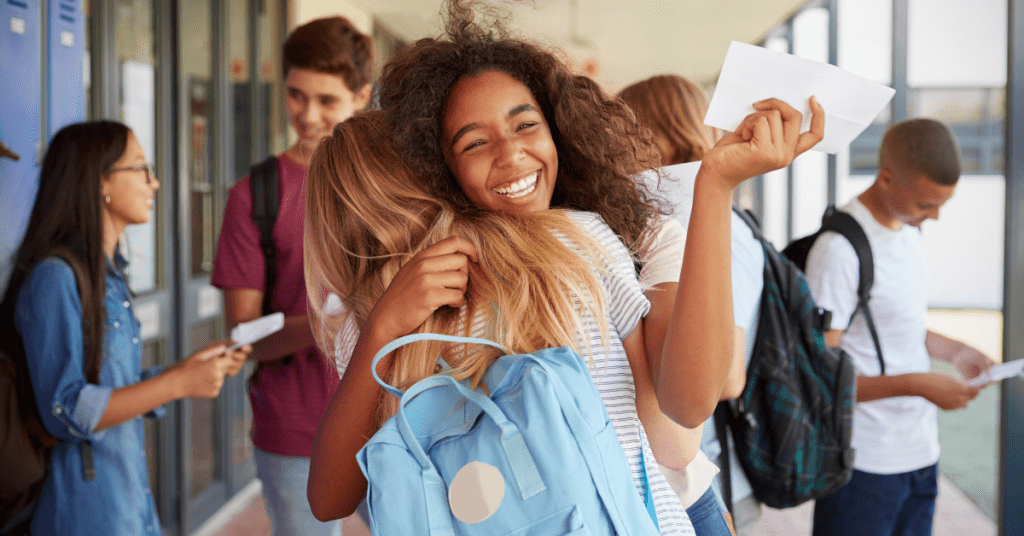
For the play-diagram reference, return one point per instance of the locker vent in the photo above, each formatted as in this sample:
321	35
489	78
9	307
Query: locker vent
68	11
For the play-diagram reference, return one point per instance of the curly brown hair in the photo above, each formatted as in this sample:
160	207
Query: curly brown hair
600	143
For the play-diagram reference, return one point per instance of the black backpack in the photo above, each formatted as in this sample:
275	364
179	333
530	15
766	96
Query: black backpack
265	204
846	225
792	424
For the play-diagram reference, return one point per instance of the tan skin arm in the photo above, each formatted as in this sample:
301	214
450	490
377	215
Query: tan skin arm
737	378
201	375
336	485
968	360
943	390
243	305
673	445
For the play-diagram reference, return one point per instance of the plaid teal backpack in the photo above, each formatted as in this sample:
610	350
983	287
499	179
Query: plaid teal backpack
793	422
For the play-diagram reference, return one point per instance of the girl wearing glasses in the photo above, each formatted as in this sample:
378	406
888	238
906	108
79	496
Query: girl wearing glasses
85	369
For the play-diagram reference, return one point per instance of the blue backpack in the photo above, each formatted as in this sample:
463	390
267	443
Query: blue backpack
537	456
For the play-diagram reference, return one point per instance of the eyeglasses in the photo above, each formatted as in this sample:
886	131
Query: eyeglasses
147	167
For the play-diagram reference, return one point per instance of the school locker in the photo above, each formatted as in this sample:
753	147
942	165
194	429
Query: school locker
20	121
65	49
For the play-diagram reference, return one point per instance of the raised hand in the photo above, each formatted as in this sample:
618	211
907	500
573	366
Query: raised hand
766	140
433	278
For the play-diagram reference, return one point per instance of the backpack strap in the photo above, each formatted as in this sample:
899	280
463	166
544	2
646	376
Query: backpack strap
408	339
263	179
89	316
265	204
751	221
722	416
845	224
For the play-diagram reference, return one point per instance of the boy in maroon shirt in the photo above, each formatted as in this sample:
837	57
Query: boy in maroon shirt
327	67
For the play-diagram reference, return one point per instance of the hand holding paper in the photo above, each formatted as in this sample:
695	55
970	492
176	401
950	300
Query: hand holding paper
997	373
751	74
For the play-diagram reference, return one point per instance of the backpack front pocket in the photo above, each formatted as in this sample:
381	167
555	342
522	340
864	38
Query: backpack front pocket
566	522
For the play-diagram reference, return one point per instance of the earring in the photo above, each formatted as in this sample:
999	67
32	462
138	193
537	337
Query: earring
107	199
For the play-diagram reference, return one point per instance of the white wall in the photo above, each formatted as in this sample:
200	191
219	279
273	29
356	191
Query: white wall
957	43
865	38
302	11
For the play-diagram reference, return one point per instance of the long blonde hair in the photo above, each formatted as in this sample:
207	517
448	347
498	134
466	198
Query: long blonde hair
673	108
366	217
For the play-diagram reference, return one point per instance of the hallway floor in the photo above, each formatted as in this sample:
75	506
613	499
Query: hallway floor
955	515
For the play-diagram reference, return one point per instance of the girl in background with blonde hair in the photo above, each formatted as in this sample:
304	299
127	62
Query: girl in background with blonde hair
673	108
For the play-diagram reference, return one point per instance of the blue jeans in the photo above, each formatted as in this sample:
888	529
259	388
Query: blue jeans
880	505
284	490
707	517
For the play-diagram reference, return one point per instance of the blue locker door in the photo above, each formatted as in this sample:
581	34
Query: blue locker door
65	42
20	121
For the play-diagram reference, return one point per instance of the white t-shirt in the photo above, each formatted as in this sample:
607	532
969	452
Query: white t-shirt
626	305
893	435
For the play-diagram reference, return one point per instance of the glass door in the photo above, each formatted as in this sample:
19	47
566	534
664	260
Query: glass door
203	488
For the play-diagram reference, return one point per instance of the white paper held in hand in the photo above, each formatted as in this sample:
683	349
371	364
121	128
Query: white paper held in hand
751	74
254	330
998	372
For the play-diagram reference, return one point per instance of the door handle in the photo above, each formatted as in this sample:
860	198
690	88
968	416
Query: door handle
7	153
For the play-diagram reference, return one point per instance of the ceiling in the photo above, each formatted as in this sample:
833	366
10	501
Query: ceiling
629	40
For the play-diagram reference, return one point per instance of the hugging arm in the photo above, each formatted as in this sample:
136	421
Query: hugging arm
436	276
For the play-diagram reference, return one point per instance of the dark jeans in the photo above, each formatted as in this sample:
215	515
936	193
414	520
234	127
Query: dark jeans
707	517
880	505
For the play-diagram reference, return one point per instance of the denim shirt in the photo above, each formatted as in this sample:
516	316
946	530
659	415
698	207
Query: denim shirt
48	316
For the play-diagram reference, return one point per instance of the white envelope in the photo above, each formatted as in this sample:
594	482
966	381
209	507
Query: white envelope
254	330
751	73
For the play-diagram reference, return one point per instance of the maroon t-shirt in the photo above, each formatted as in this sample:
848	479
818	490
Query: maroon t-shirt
287	400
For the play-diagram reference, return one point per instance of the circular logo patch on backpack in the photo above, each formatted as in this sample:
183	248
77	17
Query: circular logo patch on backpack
476	492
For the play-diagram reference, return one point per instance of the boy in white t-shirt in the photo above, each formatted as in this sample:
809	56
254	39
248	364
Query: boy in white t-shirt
895	427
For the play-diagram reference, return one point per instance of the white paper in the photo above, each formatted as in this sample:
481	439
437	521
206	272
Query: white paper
254	330
751	74
675	184
998	372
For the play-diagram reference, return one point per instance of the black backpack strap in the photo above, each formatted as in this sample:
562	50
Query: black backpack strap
266	201
722	417
265	204
751	221
845	224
